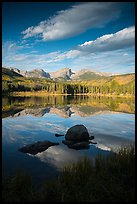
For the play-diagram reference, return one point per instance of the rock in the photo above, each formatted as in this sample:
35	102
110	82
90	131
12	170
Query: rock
68	142
77	137
37	147
91	137
77	133
58	135
80	145
92	142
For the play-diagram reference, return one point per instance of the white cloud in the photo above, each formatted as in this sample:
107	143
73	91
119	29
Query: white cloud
86	43
71	54
110	61
11	56
120	40
108	53
59	155
11	48
73	21
125	54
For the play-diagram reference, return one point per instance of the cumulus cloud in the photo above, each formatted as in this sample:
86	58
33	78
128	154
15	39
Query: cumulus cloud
73	21
115	51
120	40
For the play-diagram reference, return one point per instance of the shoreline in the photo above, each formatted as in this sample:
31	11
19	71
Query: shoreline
43	94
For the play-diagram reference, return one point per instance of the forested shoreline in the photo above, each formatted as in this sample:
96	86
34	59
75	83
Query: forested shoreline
72	88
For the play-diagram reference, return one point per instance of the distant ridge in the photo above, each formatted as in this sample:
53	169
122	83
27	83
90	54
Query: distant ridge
10	74
63	74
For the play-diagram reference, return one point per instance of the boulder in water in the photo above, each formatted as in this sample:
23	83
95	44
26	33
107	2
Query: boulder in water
77	137
77	133
37	147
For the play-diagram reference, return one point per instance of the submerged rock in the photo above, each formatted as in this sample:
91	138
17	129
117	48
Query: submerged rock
68	142
37	147
80	145
92	142
58	135
91	137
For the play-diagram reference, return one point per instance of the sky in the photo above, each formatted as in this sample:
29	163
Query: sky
99	36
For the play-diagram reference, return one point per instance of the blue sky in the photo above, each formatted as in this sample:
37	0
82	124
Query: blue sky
99	36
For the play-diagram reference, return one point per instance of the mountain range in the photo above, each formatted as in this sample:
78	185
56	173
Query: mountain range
65	74
62	74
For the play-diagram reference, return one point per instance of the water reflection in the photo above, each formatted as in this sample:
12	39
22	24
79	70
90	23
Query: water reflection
65	106
64	112
60	155
28	120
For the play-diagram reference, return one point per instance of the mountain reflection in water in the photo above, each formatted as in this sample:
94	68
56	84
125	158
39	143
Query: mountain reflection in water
64	112
65	106
28	120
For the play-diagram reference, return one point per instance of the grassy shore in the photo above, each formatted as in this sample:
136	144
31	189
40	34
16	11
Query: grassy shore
110	178
36	93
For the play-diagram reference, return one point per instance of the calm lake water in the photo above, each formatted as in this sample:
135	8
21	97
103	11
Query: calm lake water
32	119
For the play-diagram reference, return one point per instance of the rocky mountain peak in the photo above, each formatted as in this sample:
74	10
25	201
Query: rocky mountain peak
64	73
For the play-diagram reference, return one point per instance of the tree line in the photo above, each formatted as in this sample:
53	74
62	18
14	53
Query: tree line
68	87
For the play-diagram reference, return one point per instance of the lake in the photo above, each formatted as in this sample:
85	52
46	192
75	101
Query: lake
26	120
